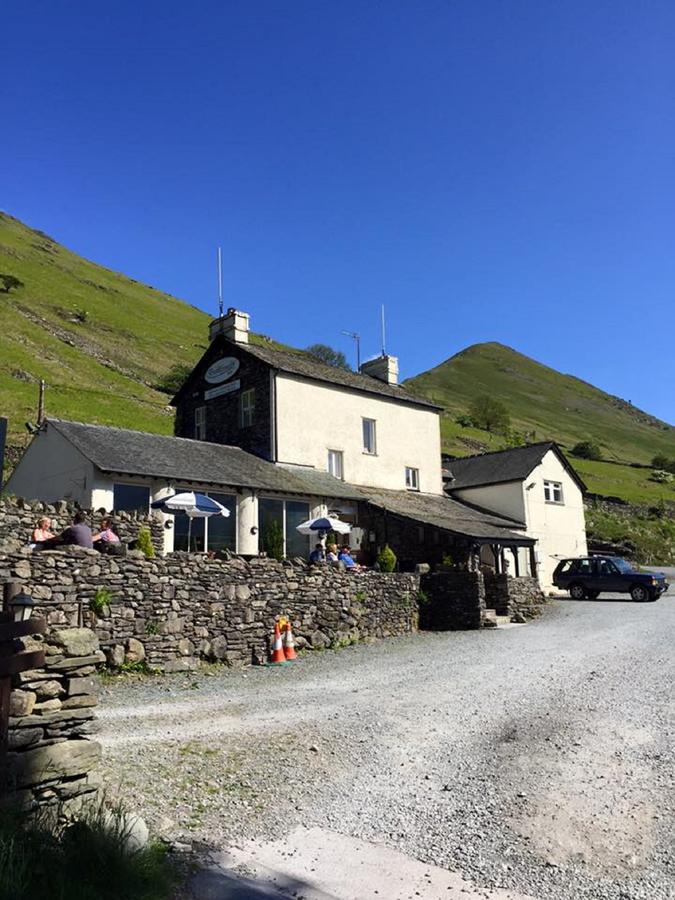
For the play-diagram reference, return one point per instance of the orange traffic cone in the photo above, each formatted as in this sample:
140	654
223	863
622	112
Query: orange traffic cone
289	644
278	657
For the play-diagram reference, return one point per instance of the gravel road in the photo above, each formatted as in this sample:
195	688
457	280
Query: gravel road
533	759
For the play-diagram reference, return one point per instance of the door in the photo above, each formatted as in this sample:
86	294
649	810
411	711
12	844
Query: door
608	578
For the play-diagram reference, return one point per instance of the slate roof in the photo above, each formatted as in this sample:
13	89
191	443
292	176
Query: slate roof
126	452
449	514
503	465
307	366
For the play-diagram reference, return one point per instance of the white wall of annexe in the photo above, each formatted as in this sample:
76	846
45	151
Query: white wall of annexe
406	435
52	469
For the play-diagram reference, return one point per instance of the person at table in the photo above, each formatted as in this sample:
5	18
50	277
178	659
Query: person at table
317	554
331	553
78	534
346	557
106	535
42	531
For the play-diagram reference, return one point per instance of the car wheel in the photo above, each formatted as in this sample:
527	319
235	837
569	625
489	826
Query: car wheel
639	593
577	592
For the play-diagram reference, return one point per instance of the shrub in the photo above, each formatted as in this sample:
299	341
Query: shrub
464	421
174	379
144	543
273	540
448	561
587	450
661	477
9	283
100	602
660	461
387	559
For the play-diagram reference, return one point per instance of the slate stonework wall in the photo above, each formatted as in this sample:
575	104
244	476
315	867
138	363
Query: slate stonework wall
519	598
455	600
18	518
51	757
175	610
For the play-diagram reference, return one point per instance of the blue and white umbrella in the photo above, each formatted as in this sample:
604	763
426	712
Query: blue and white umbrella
195	506
324	523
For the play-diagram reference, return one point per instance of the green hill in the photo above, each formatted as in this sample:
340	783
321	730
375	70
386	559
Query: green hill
100	340
545	404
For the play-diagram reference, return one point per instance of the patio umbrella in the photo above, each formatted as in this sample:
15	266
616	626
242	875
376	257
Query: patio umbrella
195	506
324	523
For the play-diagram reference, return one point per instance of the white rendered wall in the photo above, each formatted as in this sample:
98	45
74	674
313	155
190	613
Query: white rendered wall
313	418
52	469
506	499
560	529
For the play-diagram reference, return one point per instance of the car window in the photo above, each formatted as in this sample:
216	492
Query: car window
581	567
624	566
607	567
565	566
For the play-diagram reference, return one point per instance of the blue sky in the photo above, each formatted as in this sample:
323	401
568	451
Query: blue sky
487	170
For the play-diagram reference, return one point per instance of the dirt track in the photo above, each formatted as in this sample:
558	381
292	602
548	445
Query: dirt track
535	758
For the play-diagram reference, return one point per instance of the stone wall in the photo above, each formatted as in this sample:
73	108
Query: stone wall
175	610
18	518
51	757
454	600
519	598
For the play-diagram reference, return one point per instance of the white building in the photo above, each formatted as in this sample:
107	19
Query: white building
278	436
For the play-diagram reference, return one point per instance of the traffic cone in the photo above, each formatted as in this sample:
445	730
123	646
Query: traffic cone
289	644
278	657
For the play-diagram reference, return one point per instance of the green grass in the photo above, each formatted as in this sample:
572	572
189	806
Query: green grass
101	369
651	535
90	859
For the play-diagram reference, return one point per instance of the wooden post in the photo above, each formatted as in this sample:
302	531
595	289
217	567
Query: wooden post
533	562
516	562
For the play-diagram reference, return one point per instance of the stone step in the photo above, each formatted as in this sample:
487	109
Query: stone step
490	618
503	620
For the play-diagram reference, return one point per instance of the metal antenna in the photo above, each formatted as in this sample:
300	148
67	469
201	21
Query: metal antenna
220	282
357	338
384	342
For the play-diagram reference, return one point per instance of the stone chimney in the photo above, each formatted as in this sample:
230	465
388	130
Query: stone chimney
234	325
383	367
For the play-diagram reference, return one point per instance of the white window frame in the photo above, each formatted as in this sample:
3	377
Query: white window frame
200	423
369	425
338	456
412	478
246	408
551	488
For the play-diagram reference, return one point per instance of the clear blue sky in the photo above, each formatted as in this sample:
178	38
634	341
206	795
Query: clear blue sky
487	170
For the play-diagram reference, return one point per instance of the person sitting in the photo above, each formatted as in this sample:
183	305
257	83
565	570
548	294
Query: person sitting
106	540
331	553
346	557
42	532
78	534
317	554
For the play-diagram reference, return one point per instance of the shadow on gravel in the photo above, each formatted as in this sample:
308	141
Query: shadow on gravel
218	884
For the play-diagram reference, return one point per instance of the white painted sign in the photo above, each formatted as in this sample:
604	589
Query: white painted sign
221	370
223	389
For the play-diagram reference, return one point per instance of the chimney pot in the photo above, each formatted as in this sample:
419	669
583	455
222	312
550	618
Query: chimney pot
234	325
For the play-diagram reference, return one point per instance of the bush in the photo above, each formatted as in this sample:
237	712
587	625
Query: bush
174	379
273	540
464	421
660	461
661	477
91	858
587	450
100	602
387	559
144	543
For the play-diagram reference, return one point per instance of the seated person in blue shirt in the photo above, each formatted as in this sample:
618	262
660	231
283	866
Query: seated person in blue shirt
316	556
345	556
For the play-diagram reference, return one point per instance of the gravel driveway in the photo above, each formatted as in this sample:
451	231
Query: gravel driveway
535	759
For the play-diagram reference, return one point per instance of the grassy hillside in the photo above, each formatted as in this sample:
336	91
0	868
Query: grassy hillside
99	339
545	404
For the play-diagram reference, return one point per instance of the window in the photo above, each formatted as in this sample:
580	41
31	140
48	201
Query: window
213	533
369	442
278	521
335	463
131	497
247	408
553	492
200	423
412	479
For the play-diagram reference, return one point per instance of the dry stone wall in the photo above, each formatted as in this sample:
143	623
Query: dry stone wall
454	599
519	598
51	757
173	611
